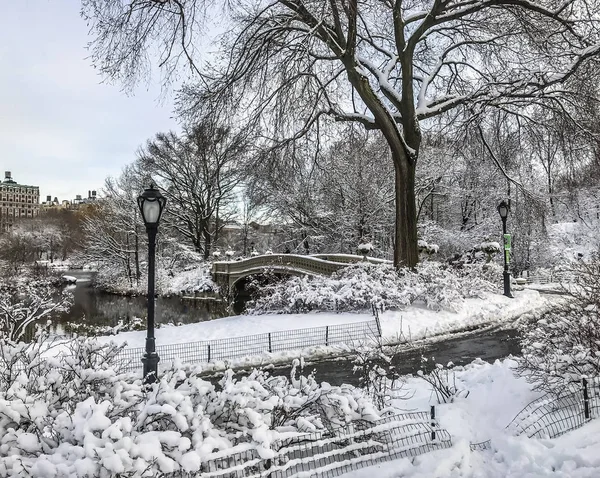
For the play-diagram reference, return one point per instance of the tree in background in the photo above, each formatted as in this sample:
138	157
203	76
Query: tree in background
389	65
113	235
198	172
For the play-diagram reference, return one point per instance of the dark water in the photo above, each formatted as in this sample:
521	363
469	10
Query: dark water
487	345
96	308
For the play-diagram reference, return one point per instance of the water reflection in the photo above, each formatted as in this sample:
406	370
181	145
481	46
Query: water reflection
96	308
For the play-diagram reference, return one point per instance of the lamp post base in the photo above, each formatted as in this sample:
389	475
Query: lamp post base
507	291
150	361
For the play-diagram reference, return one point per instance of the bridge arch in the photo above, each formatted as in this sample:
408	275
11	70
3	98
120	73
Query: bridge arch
226	274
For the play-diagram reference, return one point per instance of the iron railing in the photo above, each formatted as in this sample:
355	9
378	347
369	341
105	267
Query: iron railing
335	451
553	415
237	347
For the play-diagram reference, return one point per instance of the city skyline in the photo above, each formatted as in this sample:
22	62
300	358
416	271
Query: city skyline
62	129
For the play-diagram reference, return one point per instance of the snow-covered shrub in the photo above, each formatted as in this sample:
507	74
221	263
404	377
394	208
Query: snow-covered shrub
377	372
229	253
65	411
359	286
22	304
364	248
169	282
491	248
355	287
442	380
564	345
561	348
426	248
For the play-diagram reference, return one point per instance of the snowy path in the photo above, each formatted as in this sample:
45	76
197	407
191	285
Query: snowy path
414	322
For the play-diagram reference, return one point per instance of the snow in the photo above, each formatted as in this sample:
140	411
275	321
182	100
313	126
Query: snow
415	322
419	322
236	326
495	397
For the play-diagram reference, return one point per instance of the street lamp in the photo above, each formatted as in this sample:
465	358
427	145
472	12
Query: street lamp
503	210
152	204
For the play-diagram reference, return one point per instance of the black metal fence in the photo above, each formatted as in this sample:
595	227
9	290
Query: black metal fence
550	277
553	415
336	451
236	347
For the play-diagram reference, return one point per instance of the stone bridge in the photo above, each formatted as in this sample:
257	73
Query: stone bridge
227	273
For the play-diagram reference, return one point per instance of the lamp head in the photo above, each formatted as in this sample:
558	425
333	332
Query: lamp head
152	204
503	209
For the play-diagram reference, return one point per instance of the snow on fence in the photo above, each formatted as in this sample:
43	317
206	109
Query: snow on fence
553	415
335	451
550	277
237	347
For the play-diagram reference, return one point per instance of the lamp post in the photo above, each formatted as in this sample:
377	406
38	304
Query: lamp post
152	204
503	210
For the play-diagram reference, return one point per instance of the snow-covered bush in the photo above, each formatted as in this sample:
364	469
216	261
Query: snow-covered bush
491	248
564	345
23	303
364	248
194	278
561	348
359	286
377	372
229	253
426	248
442	380
66	411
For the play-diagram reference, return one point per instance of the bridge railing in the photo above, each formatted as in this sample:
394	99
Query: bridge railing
325	264
305	263
350	258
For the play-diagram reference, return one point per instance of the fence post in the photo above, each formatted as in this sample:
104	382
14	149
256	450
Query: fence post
586	400
326	335
270	348
208	360
378	324
433	422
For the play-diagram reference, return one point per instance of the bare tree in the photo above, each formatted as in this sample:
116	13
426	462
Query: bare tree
198	172
388	64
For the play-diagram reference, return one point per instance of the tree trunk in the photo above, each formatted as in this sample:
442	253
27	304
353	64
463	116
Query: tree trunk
406	251
207	244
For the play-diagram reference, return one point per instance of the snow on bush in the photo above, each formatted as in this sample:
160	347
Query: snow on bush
365	248
359	286
426	248
191	279
561	348
24	302
66	411
564	345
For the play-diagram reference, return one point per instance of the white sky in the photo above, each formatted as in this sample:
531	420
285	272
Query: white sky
60	128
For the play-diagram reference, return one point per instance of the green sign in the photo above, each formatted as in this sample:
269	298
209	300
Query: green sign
507	242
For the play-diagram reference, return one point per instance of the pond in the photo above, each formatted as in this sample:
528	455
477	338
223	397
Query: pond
96	308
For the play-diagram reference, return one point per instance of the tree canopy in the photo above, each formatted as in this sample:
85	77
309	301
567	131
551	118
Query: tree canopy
391	65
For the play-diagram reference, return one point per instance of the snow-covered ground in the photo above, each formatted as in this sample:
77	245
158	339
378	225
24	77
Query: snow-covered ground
414	322
495	397
417	323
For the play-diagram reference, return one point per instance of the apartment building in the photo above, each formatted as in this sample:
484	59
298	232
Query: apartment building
17	201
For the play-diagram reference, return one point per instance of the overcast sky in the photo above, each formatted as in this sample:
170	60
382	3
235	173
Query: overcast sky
60	128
